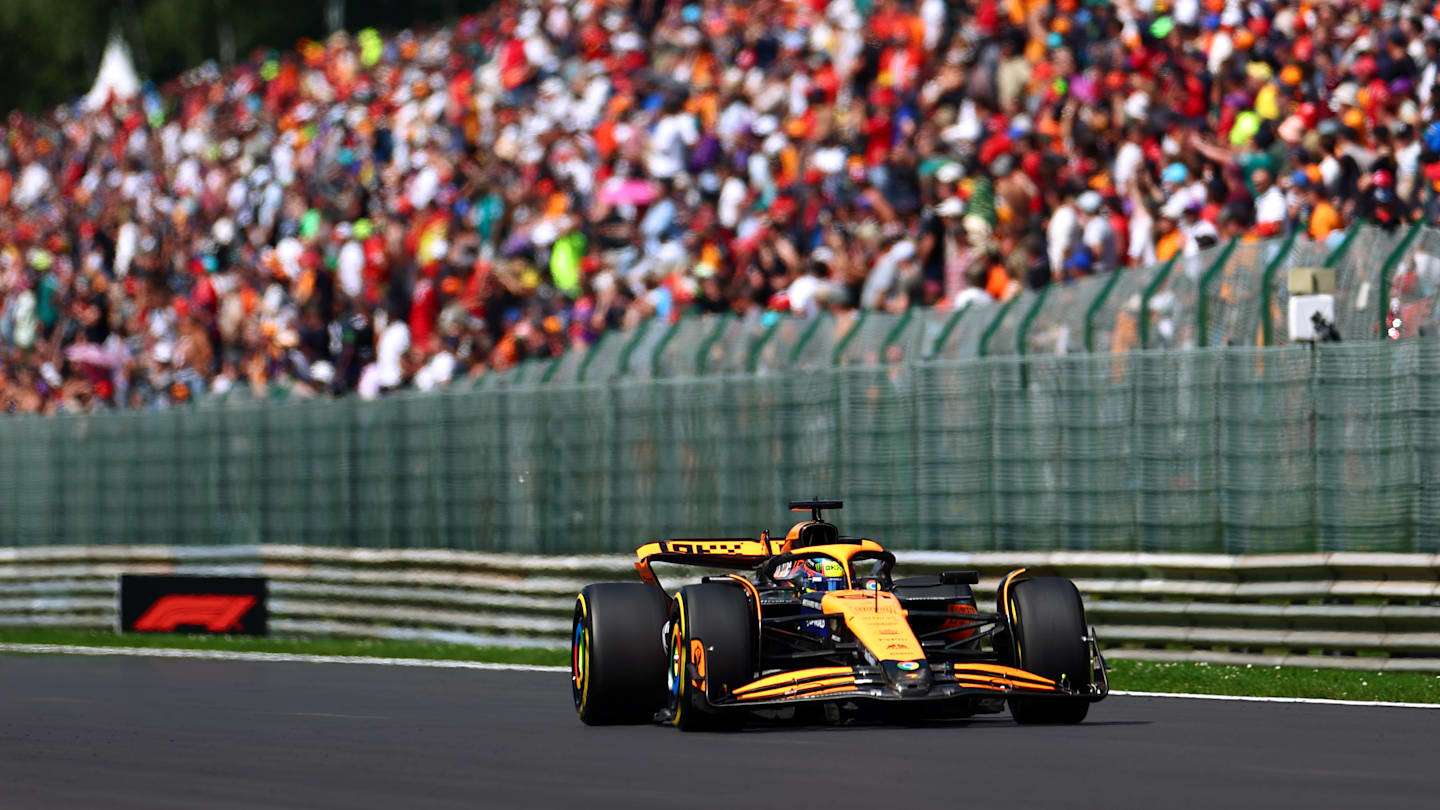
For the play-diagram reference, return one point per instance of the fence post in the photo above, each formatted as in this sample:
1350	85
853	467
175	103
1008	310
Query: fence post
1100	299
703	353
1202	308
664	342
1144	317
629	348
753	360
1267	286
950	324
589	356
844	342
554	365
895	332
984	347
1029	320
1023	333
805	338
1344	247
1391	262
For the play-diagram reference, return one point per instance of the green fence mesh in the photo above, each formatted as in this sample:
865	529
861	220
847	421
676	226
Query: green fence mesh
1231	315
1002	335
1233	449
1301	254
1059	325
1117	321
864	342
1175	305
816	348
1414	288
966	332
708	424
1357	281
566	367
675	356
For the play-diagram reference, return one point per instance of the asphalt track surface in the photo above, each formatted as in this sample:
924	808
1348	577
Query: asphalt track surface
157	733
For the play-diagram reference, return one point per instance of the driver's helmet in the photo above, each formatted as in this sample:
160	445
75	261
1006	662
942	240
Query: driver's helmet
819	574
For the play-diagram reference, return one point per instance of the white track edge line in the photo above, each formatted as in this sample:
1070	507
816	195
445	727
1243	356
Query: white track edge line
1261	699
226	655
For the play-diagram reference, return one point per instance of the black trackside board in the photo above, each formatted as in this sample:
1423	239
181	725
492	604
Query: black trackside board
193	604
82	732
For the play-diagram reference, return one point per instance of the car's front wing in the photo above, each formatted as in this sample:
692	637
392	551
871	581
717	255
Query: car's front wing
927	681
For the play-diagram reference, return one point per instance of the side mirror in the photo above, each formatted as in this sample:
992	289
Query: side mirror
959	577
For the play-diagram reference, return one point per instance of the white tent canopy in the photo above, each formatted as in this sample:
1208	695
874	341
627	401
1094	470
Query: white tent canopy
116	76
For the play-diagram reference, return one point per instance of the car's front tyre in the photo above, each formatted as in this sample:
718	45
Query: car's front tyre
1047	637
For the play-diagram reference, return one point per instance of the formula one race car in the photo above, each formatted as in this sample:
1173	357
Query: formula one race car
819	621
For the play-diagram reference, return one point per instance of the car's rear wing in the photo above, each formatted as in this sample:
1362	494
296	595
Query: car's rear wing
711	552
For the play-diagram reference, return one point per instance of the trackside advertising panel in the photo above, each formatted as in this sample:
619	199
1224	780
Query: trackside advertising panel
193	604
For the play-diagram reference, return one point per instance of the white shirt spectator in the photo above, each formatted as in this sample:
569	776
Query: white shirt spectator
1141	248
351	266
391	346
932	13
125	244
1194	232
435	373
1061	233
804	294
732	197
667	145
1127	160
34	181
1183	198
885	273
1100	238
735	121
971	296
1270	207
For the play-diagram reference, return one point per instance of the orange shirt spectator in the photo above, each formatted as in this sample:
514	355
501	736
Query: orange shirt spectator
1169	245
1324	220
997	282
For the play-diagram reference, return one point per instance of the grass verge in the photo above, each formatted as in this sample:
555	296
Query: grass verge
1230	679
435	651
1135	676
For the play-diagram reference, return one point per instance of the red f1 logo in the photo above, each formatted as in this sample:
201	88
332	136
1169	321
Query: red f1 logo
215	613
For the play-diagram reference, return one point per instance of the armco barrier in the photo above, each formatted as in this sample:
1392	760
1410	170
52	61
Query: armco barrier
1337	610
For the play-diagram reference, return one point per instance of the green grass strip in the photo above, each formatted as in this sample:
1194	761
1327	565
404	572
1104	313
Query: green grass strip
430	651
1262	681
1134	676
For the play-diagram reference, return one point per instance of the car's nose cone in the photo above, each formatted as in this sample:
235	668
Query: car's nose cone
908	677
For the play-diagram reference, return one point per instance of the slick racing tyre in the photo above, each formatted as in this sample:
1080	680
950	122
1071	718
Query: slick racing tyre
1047	625
710	651
617	653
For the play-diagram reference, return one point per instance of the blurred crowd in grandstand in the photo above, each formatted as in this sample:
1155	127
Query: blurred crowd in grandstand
374	212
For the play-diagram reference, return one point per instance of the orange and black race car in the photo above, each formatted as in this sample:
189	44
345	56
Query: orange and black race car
818	619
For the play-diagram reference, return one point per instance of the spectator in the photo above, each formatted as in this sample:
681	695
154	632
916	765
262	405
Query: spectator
1270	207
376	212
1097	235
1324	219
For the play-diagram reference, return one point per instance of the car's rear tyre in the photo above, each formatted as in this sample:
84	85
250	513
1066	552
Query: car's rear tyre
710	651
1047	627
617	653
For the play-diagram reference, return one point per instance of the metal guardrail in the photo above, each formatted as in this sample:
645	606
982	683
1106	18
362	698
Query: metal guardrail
1334	610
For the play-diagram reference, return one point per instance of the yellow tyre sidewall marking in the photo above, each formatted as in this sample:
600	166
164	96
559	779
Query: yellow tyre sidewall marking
580	669
678	659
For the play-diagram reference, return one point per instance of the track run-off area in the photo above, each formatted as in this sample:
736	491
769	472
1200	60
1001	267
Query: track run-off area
164	732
